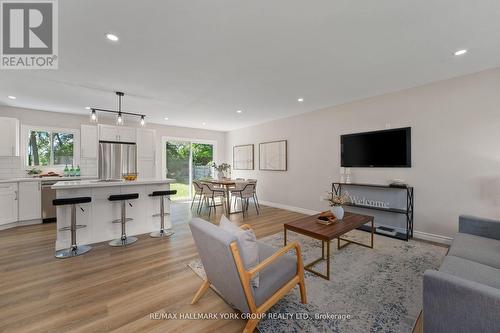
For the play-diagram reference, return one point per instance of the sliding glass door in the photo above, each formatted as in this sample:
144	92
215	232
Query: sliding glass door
185	161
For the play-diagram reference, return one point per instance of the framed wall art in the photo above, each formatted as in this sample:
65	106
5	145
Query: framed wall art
273	155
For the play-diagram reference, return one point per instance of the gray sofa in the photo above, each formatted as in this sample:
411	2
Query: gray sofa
464	295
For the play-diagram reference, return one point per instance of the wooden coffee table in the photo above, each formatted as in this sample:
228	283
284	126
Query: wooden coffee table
325	233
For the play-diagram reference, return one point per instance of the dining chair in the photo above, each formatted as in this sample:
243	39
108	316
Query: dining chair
256	200
245	192
198	191
210	193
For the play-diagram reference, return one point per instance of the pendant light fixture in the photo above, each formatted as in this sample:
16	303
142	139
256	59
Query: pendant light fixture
119	119
120	114
93	116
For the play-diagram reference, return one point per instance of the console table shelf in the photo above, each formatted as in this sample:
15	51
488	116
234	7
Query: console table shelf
408	212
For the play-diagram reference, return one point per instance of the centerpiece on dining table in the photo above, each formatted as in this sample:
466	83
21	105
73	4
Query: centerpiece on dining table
221	169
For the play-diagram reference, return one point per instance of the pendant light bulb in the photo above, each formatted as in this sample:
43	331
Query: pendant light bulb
143	121
119	120
93	116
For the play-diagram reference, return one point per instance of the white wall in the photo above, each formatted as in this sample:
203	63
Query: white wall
455	150
12	167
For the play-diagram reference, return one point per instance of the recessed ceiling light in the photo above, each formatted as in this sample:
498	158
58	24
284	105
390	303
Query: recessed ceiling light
12	97
166	118
300	100
239	111
203	124
460	52
112	37
87	108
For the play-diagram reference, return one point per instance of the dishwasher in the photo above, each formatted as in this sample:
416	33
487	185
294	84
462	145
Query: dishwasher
48	194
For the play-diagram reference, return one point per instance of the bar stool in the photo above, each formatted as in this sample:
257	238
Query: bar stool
123	240
74	250
162	195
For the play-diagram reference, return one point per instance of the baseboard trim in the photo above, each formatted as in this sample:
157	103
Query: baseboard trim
20	224
416	234
432	237
290	208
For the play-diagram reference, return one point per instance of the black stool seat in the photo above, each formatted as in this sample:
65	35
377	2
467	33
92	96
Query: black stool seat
71	201
162	193
120	197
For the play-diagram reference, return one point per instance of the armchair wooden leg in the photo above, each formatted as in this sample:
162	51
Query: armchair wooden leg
300	273
251	325
302	286
203	288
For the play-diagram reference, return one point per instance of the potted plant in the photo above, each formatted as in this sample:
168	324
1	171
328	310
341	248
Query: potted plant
336	203
33	172
221	169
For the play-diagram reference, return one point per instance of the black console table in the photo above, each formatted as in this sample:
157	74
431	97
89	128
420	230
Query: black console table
408	212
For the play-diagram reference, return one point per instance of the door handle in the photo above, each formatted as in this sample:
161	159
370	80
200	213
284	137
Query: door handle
16	192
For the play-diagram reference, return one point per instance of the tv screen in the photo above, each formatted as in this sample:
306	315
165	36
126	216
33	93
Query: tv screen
379	149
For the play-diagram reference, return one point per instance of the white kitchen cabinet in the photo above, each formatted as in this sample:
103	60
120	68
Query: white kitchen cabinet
127	134
146	168
89	141
30	200
8	203
146	153
117	133
9	136
108	133
146	144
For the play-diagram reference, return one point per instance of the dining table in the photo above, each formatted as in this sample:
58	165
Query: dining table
227	184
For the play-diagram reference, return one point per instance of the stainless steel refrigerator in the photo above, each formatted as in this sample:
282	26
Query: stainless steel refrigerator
116	159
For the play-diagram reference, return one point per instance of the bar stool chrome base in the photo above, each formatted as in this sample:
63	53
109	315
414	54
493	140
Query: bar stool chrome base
123	242
161	234
72	252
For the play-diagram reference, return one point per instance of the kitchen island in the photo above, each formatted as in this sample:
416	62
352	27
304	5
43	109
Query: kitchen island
98	214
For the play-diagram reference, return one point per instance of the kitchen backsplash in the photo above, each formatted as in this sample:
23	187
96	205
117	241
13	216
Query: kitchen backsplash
10	167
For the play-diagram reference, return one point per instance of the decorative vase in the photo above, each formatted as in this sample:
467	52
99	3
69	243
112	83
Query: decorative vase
338	212
220	175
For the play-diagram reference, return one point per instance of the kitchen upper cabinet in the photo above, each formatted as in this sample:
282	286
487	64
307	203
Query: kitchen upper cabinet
146	144
30	200
89	141
146	153
117	133
108	133
8	203
127	134
9	136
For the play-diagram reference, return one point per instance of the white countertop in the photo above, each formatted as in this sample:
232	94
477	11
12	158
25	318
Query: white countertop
38	179
97	183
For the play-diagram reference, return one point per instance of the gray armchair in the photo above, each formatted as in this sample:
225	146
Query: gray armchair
464	295
220	254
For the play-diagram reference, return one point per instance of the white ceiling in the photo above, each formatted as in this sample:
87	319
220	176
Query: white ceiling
197	61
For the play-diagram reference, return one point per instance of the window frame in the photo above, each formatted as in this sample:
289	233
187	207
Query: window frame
25	132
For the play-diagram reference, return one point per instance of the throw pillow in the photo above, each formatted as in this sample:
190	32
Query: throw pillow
248	246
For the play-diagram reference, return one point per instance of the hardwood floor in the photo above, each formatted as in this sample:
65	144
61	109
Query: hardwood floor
112	289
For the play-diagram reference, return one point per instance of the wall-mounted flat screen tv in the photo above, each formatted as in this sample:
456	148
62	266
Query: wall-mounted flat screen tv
380	149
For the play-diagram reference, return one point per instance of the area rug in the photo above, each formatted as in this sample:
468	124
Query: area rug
370	290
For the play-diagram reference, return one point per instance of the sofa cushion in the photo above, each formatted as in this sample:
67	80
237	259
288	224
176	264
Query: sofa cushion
274	276
480	249
471	270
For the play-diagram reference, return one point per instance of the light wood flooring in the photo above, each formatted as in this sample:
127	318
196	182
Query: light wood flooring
112	289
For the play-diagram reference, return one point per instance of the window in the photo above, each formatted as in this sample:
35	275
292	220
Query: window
50	147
